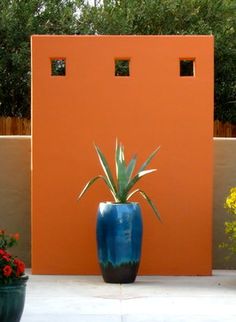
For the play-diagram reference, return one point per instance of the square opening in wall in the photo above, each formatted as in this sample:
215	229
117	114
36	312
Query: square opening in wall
122	67
58	67
187	67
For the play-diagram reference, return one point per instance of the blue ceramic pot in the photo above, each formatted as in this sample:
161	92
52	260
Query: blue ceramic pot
12	300
119	241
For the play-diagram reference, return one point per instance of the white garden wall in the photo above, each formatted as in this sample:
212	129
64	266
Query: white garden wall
15	164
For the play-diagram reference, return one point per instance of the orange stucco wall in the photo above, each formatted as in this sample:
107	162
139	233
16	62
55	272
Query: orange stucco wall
153	106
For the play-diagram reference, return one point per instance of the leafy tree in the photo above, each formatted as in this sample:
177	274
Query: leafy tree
19	19
170	17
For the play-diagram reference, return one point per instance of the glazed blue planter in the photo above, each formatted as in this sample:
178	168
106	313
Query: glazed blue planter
119	241
12	300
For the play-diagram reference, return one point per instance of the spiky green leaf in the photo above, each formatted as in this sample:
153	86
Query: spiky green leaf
130	167
149	159
125	182
117	156
137	177
121	171
150	202
106	170
88	185
91	182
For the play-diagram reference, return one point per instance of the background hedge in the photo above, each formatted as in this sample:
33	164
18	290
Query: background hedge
19	19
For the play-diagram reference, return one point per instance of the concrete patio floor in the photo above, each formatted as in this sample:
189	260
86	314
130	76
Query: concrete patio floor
149	299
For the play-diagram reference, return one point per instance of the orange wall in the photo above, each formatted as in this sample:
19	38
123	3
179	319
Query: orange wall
152	107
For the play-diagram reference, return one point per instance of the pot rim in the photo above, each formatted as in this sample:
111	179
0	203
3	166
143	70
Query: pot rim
119	203
16	282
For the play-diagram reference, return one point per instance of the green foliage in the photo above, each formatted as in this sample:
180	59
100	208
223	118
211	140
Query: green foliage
177	17
58	67
11	268
20	19
230	226
122	68
121	187
7	241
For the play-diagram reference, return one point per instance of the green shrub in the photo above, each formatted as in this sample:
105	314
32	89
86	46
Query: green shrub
230	226
20	19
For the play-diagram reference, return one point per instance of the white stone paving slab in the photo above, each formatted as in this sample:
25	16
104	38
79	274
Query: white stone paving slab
190	306
175	318
150	299
70	318
72	305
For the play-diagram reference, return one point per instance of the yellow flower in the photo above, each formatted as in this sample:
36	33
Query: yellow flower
230	202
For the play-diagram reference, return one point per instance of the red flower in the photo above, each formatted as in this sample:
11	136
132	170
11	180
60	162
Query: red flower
6	257
11	268
20	267
16	236
7	270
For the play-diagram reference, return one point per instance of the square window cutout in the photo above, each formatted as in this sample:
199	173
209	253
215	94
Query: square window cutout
58	67
122	67
187	67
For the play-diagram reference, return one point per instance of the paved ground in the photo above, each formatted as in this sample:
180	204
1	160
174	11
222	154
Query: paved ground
150	299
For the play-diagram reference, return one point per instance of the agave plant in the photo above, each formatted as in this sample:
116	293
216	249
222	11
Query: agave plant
122	186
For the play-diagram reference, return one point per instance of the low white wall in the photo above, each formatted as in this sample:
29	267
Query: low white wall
15	163
15	160
224	179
